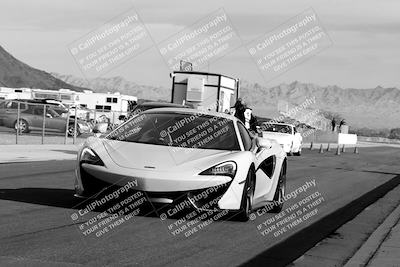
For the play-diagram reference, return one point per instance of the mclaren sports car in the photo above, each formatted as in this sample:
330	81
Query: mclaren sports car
208	160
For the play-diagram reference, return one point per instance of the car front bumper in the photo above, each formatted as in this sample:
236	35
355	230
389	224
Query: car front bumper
206	198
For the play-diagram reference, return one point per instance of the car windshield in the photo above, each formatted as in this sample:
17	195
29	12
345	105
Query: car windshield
278	128
179	130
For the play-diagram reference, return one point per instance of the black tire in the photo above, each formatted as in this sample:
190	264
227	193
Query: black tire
247	199
70	130
280	192
298	153
23	126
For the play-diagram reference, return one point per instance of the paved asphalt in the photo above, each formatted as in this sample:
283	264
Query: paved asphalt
36	228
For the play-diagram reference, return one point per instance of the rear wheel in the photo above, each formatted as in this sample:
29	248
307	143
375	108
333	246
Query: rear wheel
247	199
23	126
280	192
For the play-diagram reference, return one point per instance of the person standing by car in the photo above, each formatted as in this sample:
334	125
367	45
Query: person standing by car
239	110
250	120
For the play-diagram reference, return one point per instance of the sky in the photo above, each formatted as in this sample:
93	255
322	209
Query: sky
364	53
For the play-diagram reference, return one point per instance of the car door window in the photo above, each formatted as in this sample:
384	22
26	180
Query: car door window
38	111
12	105
244	134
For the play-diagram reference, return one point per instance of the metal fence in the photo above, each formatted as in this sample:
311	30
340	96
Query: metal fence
24	122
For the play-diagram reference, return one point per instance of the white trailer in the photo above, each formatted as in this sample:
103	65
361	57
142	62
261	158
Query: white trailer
15	93
106	101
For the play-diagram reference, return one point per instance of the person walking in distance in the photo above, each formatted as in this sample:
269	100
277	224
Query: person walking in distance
333	124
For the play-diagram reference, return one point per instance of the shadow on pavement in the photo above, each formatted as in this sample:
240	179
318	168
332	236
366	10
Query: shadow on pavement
63	198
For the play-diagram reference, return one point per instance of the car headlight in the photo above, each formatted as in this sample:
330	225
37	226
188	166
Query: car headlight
226	168
90	157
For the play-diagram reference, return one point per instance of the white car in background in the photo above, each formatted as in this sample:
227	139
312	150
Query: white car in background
285	134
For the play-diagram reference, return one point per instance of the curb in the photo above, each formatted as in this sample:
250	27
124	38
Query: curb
300	242
365	253
14	161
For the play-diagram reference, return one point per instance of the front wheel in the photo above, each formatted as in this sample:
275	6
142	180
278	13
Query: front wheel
247	199
23	126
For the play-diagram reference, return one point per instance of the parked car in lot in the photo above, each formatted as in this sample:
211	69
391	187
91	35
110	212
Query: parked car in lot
32	119
10	107
218	167
56	105
285	134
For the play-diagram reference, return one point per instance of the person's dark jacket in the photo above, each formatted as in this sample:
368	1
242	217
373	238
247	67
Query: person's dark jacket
239	113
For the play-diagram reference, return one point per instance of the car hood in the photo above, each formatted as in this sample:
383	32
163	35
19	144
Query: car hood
280	137
161	158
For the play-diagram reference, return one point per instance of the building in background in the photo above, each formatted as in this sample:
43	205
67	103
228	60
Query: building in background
95	101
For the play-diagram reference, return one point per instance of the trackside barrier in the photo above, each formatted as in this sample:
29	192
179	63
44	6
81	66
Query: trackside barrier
27	119
338	150
19	114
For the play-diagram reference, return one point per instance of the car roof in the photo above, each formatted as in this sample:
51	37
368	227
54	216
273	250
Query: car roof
191	111
36	101
160	104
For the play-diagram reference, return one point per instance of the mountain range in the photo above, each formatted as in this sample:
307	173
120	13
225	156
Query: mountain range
373	108
16	74
118	84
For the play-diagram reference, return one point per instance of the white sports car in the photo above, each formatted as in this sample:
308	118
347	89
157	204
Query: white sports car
285	134
208	159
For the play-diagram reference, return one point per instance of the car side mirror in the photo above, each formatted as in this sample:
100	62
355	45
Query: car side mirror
263	143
